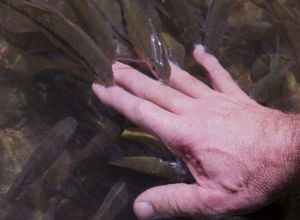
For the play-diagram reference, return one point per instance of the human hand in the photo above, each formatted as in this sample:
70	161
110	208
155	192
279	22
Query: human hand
242	155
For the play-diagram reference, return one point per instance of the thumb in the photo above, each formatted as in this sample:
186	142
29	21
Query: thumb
172	200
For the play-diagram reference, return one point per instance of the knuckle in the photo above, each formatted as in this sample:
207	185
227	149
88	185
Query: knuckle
141	110
156	90
177	104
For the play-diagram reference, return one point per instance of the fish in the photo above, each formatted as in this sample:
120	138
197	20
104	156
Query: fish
111	12
21	33
60	173
289	101
49	149
260	67
25	65
269	87
101	143
287	23
176	50
189	25
116	199
149	7
95	25
78	94
153	166
135	142
146	39
68	36
216	23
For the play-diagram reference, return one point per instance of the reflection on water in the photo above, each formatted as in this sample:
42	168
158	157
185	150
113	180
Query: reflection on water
63	154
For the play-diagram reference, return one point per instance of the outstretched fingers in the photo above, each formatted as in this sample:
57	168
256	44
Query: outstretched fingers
221	79
149	89
187	84
142	112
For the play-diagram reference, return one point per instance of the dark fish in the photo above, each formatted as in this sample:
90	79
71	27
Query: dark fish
260	68
42	157
176	50
152	166
116	199
189	25
94	24
269	88
28	64
28	41
290	94
124	50
101	143
78	95
216	23
21	33
146	39
60	173
287	23
67	36
148	7
112	13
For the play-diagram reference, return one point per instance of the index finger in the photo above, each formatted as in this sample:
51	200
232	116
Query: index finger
143	113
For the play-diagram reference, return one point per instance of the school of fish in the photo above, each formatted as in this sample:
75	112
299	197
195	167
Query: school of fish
64	155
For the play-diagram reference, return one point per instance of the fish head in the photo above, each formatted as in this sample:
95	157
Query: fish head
158	61
160	70
107	81
102	72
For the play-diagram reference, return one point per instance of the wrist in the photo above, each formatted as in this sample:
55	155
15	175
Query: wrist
279	154
287	155
293	152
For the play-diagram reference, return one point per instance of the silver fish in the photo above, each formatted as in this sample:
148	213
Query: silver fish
152	166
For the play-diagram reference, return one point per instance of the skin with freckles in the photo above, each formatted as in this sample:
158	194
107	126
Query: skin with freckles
242	155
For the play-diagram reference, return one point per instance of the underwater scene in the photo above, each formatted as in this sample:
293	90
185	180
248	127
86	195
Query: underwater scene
64	155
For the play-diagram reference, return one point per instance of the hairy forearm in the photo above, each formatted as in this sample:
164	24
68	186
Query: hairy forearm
283	156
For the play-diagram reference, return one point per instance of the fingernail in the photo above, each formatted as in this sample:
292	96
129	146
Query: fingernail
98	87
199	48
146	211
